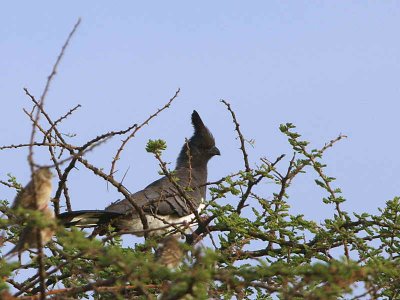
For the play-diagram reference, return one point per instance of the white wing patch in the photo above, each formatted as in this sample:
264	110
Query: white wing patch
159	221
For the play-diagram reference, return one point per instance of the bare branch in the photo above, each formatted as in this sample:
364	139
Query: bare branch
28	145
241	138
55	66
146	122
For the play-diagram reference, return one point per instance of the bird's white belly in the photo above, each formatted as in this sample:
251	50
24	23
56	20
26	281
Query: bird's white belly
159	224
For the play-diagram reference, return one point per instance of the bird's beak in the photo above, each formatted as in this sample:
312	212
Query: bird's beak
215	151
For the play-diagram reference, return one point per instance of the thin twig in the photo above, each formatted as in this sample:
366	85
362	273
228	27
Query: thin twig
60	120
60	56
125	141
28	145
39	109
13	186
241	138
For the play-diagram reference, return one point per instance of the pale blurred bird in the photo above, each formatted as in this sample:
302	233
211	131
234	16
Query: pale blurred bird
5	295
29	235
36	194
170	253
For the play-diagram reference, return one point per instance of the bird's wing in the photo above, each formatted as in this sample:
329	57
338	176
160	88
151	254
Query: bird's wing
24	197
161	197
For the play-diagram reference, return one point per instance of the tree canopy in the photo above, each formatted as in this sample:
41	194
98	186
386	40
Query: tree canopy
246	245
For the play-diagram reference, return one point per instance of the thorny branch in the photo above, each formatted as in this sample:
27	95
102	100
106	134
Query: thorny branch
285	239
240	135
137	128
97	171
39	108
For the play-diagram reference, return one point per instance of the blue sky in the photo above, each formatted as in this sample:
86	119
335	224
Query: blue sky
329	67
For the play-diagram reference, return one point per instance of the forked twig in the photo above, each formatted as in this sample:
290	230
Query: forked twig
146	122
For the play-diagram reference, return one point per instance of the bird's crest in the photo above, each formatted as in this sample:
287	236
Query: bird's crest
202	136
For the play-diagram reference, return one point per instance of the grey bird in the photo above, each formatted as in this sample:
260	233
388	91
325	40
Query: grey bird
161	201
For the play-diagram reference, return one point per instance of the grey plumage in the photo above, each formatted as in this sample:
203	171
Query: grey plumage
161	201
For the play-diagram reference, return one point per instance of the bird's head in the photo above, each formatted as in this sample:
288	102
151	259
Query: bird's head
201	145
43	174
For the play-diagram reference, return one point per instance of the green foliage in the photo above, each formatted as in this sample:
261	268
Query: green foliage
13	181
156	146
257	249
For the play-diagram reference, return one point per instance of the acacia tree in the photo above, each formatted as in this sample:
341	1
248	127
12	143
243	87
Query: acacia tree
256	249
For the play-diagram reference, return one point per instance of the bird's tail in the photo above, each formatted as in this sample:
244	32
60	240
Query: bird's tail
88	218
